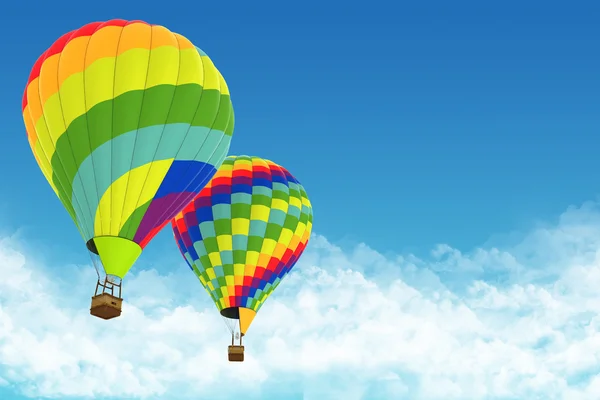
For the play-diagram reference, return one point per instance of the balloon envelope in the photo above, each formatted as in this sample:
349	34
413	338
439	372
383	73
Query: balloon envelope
243	233
127	121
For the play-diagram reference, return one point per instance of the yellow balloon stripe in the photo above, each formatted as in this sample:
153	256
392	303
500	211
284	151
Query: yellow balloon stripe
92	87
117	193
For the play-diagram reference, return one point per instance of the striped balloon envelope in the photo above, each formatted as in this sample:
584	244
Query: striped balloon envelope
243	234
127	121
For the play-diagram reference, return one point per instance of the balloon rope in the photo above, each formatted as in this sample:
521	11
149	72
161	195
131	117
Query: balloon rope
95	263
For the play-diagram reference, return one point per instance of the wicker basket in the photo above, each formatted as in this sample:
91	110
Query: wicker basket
236	353
106	306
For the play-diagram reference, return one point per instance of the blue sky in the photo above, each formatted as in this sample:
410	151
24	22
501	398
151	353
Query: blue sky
448	137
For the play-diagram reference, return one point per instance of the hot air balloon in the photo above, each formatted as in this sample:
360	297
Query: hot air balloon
127	121
242	235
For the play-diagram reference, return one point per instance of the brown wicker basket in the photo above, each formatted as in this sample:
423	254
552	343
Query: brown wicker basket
236	353
106	306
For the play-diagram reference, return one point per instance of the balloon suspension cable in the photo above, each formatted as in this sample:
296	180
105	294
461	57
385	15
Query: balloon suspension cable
233	325
95	261
236	336
111	285
106	283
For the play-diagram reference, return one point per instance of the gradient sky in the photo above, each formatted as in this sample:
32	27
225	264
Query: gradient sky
409	124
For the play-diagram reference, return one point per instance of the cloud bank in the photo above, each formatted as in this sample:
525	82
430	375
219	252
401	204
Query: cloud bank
518	322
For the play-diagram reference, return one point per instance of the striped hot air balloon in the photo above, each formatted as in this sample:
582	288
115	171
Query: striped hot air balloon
127	121
242	235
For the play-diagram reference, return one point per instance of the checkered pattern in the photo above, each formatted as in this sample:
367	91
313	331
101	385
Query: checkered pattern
245	231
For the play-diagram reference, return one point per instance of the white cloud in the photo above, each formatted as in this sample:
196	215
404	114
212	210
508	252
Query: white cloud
517	322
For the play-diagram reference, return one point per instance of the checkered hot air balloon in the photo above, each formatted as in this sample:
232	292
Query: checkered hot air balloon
127	121
242	235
